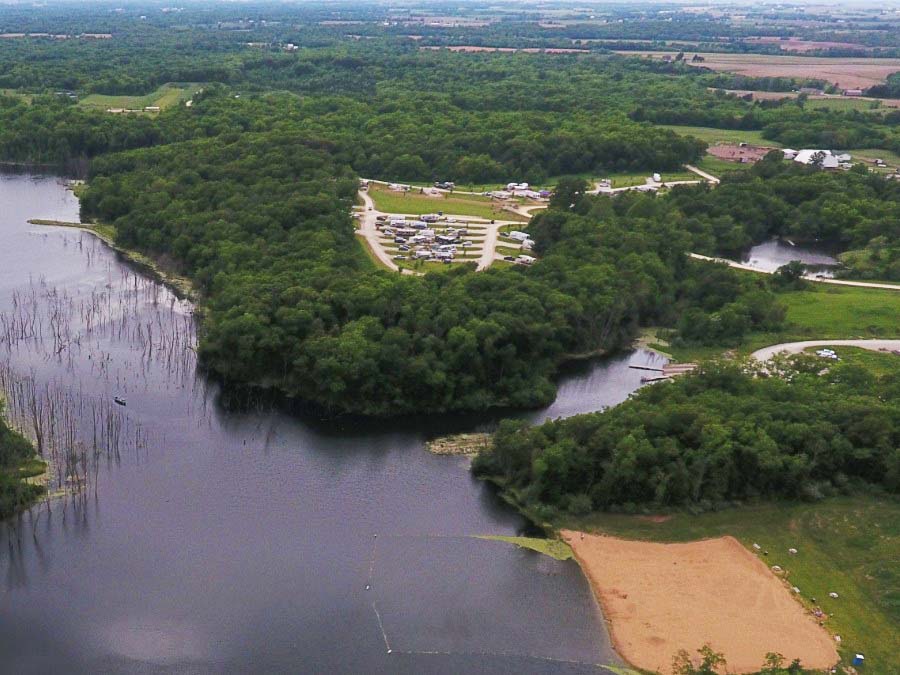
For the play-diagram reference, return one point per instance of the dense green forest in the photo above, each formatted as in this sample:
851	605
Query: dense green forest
248	191
710	439
261	221
15	494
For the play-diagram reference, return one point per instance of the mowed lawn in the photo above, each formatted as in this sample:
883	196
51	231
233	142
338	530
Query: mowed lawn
166	96
825	311
412	202
717	166
819	312
630	179
846	545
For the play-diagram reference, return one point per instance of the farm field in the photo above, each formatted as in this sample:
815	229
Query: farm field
842	104
829	101
389	201
167	95
846	545
842	72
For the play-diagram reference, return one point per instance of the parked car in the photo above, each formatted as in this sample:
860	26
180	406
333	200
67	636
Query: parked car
509	258
403	247
399	240
400	257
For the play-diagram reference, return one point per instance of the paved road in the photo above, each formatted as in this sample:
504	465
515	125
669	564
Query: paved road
599	190
369	232
808	277
767	353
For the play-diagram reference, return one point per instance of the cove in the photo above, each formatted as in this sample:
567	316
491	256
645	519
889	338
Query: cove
211	540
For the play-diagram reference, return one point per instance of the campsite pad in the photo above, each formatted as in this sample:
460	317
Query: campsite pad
432	596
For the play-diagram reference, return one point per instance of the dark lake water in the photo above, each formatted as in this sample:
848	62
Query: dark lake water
771	255
213	541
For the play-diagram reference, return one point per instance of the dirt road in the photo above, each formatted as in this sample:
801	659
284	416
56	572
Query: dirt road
767	353
369	232
707	176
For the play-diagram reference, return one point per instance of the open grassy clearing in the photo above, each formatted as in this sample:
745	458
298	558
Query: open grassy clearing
479	206
713	136
629	179
877	363
164	97
508	250
14	93
820	312
870	154
850	546
717	166
842	104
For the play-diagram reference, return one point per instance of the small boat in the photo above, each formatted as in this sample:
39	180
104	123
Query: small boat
119	400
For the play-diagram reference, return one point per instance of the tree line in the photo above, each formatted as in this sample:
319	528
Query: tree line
709	439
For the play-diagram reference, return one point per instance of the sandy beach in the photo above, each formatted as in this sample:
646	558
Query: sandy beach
660	598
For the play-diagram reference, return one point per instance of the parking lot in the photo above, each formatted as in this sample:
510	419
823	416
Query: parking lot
418	243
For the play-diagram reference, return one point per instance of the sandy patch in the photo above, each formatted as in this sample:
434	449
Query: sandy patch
660	598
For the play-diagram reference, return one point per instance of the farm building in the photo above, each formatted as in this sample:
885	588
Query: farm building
823	158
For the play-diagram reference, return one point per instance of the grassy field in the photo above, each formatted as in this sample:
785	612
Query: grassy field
713	136
850	546
16	94
843	104
459	205
717	166
820	312
877	363
166	96
889	157
640	177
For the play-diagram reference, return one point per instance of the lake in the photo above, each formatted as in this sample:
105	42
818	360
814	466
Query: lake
775	253
210	540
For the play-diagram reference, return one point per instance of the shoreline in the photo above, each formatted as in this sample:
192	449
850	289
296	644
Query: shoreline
180	285
600	598
659	582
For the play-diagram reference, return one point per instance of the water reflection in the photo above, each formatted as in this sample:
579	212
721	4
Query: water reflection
771	255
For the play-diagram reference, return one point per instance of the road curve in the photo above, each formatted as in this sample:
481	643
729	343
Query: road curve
808	277
369	232
767	353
